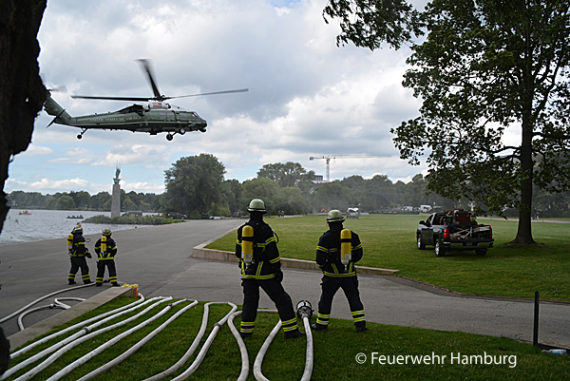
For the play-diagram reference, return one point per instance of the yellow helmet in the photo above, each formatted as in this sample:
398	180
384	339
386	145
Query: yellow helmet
335	216
256	205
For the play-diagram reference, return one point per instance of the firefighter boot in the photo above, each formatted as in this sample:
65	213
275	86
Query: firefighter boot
361	326
294	334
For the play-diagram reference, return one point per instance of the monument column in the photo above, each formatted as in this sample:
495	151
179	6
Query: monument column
116	197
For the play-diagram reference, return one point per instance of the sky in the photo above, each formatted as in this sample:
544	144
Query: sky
307	96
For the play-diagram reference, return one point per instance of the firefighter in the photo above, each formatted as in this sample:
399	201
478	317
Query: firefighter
77	253
337	252
106	249
256	249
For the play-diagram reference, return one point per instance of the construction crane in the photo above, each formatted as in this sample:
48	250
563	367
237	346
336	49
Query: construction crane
327	159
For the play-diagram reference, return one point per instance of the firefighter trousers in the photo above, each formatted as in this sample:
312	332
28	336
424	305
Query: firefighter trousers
330	286
110	264
278	295
76	263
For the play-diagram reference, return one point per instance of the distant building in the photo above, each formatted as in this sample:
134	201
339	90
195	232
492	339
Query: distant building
318	179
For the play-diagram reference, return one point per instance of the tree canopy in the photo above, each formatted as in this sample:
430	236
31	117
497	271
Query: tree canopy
194	184
286	174
481	67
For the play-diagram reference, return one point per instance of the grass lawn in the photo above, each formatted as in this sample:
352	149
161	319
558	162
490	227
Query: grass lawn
389	242
335	352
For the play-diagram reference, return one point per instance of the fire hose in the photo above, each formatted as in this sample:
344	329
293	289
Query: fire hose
303	310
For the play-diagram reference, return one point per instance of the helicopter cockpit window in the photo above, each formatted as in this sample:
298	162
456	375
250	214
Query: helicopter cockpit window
133	108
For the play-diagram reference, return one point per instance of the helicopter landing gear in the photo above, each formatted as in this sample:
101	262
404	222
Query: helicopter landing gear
83	130
169	137
181	131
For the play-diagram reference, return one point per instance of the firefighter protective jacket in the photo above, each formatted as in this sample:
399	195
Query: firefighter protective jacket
109	253
77	248
266	260
328	254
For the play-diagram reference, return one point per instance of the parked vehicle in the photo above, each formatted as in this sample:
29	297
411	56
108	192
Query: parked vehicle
454	229
352	213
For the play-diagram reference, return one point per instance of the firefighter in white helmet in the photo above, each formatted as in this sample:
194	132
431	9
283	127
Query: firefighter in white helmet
106	249
337	252
256	249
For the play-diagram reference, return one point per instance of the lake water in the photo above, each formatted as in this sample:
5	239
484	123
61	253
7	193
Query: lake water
49	224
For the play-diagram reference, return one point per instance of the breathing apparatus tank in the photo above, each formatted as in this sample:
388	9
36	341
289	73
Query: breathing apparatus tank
104	245
345	247
70	242
247	244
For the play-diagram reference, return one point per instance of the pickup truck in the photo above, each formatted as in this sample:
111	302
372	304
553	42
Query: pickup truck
454	229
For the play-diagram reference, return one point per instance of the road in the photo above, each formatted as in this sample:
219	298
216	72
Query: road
158	258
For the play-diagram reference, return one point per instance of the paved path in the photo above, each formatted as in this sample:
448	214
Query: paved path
158	259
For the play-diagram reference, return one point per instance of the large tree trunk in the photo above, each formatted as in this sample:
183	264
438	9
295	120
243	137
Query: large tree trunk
22	92
524	233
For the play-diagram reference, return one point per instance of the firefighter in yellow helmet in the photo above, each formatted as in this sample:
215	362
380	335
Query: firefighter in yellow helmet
106	249
256	249
337	252
77	253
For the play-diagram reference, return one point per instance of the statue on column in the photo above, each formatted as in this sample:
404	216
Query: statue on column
116	179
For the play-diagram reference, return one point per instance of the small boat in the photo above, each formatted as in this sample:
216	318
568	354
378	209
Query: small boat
25	213
79	217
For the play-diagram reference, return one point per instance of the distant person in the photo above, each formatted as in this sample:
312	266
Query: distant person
337	263
256	249
77	253
106	249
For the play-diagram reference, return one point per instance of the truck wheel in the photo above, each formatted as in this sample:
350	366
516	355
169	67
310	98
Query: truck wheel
439	250
421	245
481	252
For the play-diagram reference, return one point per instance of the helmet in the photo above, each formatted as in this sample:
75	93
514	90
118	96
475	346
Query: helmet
107	232
77	229
256	205
335	216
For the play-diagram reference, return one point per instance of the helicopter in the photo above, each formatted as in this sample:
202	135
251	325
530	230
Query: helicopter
154	117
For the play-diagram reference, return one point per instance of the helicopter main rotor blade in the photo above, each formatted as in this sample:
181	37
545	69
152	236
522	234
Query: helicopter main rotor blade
211	93
139	99
150	76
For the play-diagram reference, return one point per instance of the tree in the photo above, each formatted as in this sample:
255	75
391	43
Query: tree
262	188
22	92
483	66
332	195
65	202
193	184
290	200
233	195
287	175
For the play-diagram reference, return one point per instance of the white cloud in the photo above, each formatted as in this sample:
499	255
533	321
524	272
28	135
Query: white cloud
48	184
119	155
38	150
